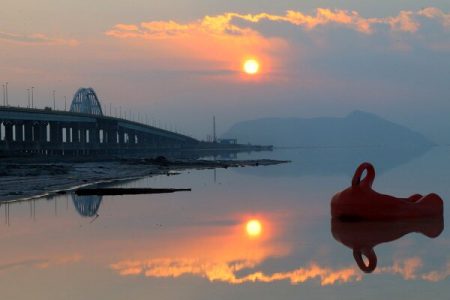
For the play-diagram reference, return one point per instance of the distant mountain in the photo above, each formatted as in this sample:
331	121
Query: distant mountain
358	129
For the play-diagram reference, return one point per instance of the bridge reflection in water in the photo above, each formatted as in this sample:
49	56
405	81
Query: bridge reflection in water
87	206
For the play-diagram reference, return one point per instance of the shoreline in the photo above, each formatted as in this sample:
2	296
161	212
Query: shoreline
22	182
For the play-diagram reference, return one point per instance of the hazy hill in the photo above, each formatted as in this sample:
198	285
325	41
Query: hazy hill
358	129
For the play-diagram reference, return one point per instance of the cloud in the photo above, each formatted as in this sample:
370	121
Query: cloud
36	39
209	39
404	22
227	271
42	263
223	24
56	261
438	275
409	268
435	13
406	268
230	38
23	263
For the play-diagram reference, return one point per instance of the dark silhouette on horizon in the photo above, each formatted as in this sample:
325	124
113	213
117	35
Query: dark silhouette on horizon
357	129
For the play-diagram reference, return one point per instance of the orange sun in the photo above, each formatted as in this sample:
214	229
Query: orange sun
251	66
253	228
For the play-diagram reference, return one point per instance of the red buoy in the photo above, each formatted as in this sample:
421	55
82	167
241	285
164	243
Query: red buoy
361	202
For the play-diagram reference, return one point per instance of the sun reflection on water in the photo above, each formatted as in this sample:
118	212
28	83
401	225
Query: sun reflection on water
232	255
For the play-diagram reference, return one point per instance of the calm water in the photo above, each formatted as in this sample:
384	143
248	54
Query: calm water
194	245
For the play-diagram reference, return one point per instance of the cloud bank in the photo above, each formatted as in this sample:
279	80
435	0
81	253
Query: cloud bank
408	269
224	24
230	37
227	271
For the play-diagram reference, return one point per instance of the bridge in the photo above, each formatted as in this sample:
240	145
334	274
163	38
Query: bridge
82	131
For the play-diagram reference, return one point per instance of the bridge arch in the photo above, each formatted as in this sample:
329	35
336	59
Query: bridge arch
86	101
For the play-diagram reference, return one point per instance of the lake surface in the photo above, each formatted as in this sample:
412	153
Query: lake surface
195	245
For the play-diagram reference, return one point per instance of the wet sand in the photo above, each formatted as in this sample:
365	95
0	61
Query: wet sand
20	181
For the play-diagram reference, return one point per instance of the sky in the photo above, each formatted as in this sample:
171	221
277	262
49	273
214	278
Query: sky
177	63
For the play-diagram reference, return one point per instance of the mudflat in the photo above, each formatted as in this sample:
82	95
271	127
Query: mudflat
23	180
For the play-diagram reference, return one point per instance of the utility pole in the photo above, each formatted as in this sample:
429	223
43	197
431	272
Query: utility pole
54	100
214	129
4	95
65	103
7	102
32	97
28	92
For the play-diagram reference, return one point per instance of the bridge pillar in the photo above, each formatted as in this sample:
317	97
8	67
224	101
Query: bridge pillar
130	136
28	131
75	133
135	138
82	135
55	133
43	137
104	136
140	140
55	137
40	135
19	132
8	132
121	133
111	144
94	136
125	137
69	133
110	136
36	132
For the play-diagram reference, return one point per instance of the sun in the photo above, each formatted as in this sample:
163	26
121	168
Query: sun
251	66
253	228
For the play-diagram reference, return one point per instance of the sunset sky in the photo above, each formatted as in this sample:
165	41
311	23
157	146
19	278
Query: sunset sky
181	61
